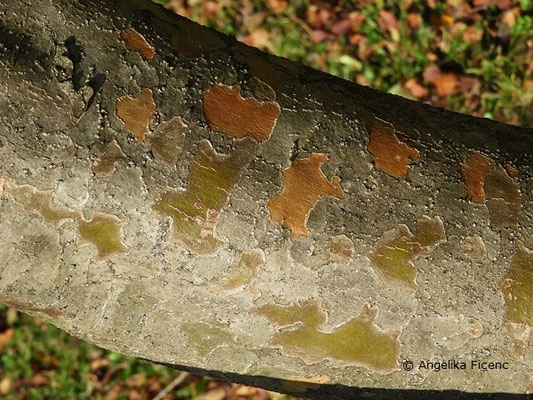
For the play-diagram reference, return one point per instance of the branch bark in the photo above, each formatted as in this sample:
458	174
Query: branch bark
172	194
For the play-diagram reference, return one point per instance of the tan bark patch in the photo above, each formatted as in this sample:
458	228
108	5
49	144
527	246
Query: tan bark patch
474	247
390	155
26	306
504	200
353	343
342	246
244	271
474	172
517	287
167	141
136	113
106	163
392	257
196	210
134	41
228	112
303	185
103	232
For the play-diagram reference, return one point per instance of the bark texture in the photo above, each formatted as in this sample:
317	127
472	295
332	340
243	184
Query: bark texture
171	194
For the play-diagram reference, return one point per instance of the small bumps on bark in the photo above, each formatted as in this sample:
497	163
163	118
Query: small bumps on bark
303	185
392	256
356	342
136	113
212	176
105	164
134	41
167	140
228	112
390	154
182	43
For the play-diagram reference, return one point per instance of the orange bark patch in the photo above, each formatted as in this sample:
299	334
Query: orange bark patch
134	41
228	112
303	185
106	163
390	155
473	172
136	113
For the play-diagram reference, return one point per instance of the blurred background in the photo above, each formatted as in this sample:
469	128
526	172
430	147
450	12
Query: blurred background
474	57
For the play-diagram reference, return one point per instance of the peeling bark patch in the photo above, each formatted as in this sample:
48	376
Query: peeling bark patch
356	342
183	44
134	41
246	269
474	247
212	176
205	338
517	287
228	112
27	306
39	202
136	113
106	163
390	155
393	254
103	231
474	171
503	199
342	246
303	185
167	141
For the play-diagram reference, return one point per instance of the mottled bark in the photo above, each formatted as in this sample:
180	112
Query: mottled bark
172	194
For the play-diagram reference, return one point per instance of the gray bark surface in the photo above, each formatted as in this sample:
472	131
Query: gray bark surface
174	195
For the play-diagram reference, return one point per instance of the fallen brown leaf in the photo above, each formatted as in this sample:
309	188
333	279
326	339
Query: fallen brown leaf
215	394
472	34
5	385
341	27
319	35
430	73
387	21
413	20
467	83
416	88
445	84
357	20
5	337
